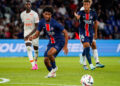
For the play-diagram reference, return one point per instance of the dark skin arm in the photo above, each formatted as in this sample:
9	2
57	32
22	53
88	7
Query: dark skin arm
26	38
37	33
95	28
65	49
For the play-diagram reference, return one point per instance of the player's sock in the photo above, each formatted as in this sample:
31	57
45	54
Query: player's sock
53	65
84	61
83	53
29	51
87	53
49	68
95	55
36	55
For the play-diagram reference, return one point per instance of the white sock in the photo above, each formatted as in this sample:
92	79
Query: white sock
29	51
84	61
91	65
95	55
36	55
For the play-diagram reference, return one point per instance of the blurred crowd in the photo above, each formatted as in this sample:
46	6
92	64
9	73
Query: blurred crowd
108	12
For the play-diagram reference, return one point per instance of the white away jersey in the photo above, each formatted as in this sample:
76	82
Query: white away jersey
29	20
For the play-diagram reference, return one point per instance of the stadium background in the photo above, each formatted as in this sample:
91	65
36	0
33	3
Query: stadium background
11	27
17	69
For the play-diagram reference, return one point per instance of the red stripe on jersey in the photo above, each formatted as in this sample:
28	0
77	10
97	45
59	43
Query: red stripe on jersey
51	37
87	25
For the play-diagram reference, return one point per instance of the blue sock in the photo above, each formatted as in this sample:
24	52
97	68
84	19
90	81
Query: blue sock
53	65
87	53
49	68
83	53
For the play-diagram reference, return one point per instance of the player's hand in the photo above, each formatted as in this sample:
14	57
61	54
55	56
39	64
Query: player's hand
26	38
30	38
75	14
95	36
65	49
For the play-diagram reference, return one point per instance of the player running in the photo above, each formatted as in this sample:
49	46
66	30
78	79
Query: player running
95	52
88	19
57	40
30	19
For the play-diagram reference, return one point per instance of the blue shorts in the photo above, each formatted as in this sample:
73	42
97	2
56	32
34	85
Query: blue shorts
86	39
58	46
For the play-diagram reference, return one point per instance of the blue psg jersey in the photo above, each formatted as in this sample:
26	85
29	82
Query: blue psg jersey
53	30
87	22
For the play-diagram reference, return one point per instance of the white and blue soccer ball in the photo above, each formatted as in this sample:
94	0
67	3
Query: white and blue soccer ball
87	80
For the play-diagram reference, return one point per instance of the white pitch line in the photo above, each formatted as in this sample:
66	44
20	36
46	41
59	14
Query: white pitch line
4	80
43	84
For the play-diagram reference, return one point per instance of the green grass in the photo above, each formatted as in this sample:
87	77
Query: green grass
69	73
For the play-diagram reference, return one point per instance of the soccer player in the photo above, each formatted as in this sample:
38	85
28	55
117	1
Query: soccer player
57	40
88	19
95	52
30	19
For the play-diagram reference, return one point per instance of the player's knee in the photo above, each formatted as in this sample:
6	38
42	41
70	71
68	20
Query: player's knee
49	54
93	46
46	60
35	47
86	45
29	48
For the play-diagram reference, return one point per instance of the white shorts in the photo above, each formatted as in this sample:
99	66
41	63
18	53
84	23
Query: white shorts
35	42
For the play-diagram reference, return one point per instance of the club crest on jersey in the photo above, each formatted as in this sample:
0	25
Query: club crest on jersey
52	28
88	21
51	33
91	17
31	14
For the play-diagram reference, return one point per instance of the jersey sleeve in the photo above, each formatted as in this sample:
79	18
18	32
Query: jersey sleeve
40	26
79	13
21	16
82	8
36	18
59	26
95	16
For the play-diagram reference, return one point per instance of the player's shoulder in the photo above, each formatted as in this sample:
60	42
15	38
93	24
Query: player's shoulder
34	12
93	10
80	12
82	8
42	21
53	20
22	13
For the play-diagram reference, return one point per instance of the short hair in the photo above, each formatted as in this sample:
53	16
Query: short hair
28	1
48	9
87	1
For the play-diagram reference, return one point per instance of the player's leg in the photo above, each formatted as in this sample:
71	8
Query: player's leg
36	55
29	52
85	67
83	60
86	46
51	54
95	54
49	61
35	43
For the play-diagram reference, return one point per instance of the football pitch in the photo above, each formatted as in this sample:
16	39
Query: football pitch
18	71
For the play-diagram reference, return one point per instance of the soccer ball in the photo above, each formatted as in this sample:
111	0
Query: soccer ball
87	80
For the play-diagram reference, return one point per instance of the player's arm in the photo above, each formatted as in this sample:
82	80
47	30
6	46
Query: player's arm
95	29
65	49
95	24
37	33
77	16
33	31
